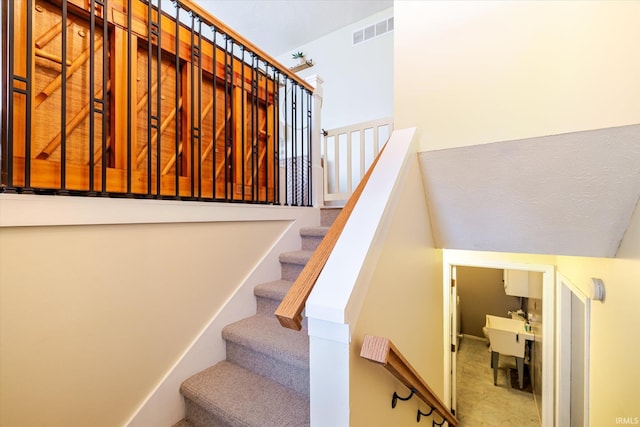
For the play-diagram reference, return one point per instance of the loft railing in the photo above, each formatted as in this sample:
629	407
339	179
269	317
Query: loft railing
347	153
147	98
382	351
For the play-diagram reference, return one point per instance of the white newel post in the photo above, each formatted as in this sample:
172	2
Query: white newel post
316	139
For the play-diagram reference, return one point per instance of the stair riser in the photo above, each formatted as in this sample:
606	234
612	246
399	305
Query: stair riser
266	306
200	417
290	271
328	216
294	377
310	243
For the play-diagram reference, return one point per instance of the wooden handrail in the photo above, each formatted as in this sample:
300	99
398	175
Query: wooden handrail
223	28
382	351
289	312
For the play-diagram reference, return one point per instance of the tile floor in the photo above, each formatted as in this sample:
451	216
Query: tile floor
479	402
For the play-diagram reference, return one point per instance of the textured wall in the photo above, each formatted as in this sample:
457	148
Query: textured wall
570	194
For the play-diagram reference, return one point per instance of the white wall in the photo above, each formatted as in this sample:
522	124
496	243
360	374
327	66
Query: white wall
614	370
470	72
358	80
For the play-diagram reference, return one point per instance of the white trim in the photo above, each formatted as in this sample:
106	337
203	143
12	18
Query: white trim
564	291
326	330
23	210
451	258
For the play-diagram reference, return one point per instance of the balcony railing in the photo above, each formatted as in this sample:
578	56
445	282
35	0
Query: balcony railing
152	99
347	154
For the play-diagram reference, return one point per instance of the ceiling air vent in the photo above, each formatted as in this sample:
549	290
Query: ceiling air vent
372	31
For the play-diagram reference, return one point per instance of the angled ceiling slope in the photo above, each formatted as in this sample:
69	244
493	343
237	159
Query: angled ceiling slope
278	26
569	194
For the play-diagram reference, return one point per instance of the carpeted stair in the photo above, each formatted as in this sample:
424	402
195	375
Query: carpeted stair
265	379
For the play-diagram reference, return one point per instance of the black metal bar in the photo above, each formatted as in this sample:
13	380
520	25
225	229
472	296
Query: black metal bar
214	149
242	123
254	129
275	138
227	132
63	102
129	90
159	101
255	190
150	117
177	163
286	145
105	95
199	163
192	92
92	95
257	129
266	131
294	143
232	121
28	91
8	48
309	149
303	145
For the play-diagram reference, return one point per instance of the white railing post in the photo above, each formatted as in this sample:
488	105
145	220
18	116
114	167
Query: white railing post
316	140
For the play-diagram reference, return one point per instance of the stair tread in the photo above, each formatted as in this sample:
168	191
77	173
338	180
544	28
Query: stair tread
318	231
275	290
243	398
267	336
296	257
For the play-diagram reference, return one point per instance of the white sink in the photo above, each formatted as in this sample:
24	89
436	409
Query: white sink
507	336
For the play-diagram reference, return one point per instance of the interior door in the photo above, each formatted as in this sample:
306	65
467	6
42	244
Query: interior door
455	341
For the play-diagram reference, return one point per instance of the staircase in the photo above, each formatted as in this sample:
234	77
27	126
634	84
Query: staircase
264	380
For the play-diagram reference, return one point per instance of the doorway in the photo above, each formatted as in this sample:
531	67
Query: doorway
467	259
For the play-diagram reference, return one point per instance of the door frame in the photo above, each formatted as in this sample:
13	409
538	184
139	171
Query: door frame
565	291
452	258
453	328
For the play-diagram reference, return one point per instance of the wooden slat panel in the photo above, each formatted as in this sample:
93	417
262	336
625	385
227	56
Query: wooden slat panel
46	142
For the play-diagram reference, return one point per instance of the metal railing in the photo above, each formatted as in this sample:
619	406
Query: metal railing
152	99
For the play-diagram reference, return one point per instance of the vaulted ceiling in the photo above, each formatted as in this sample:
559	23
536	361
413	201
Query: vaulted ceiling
570	194
277	26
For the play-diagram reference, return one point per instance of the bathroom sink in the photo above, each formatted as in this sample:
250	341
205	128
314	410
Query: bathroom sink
507	336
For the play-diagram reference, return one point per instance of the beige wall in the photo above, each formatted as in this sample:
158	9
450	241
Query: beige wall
404	303
481	292
469	73
92	317
614	369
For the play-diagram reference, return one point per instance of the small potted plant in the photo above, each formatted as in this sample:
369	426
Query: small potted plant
299	57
